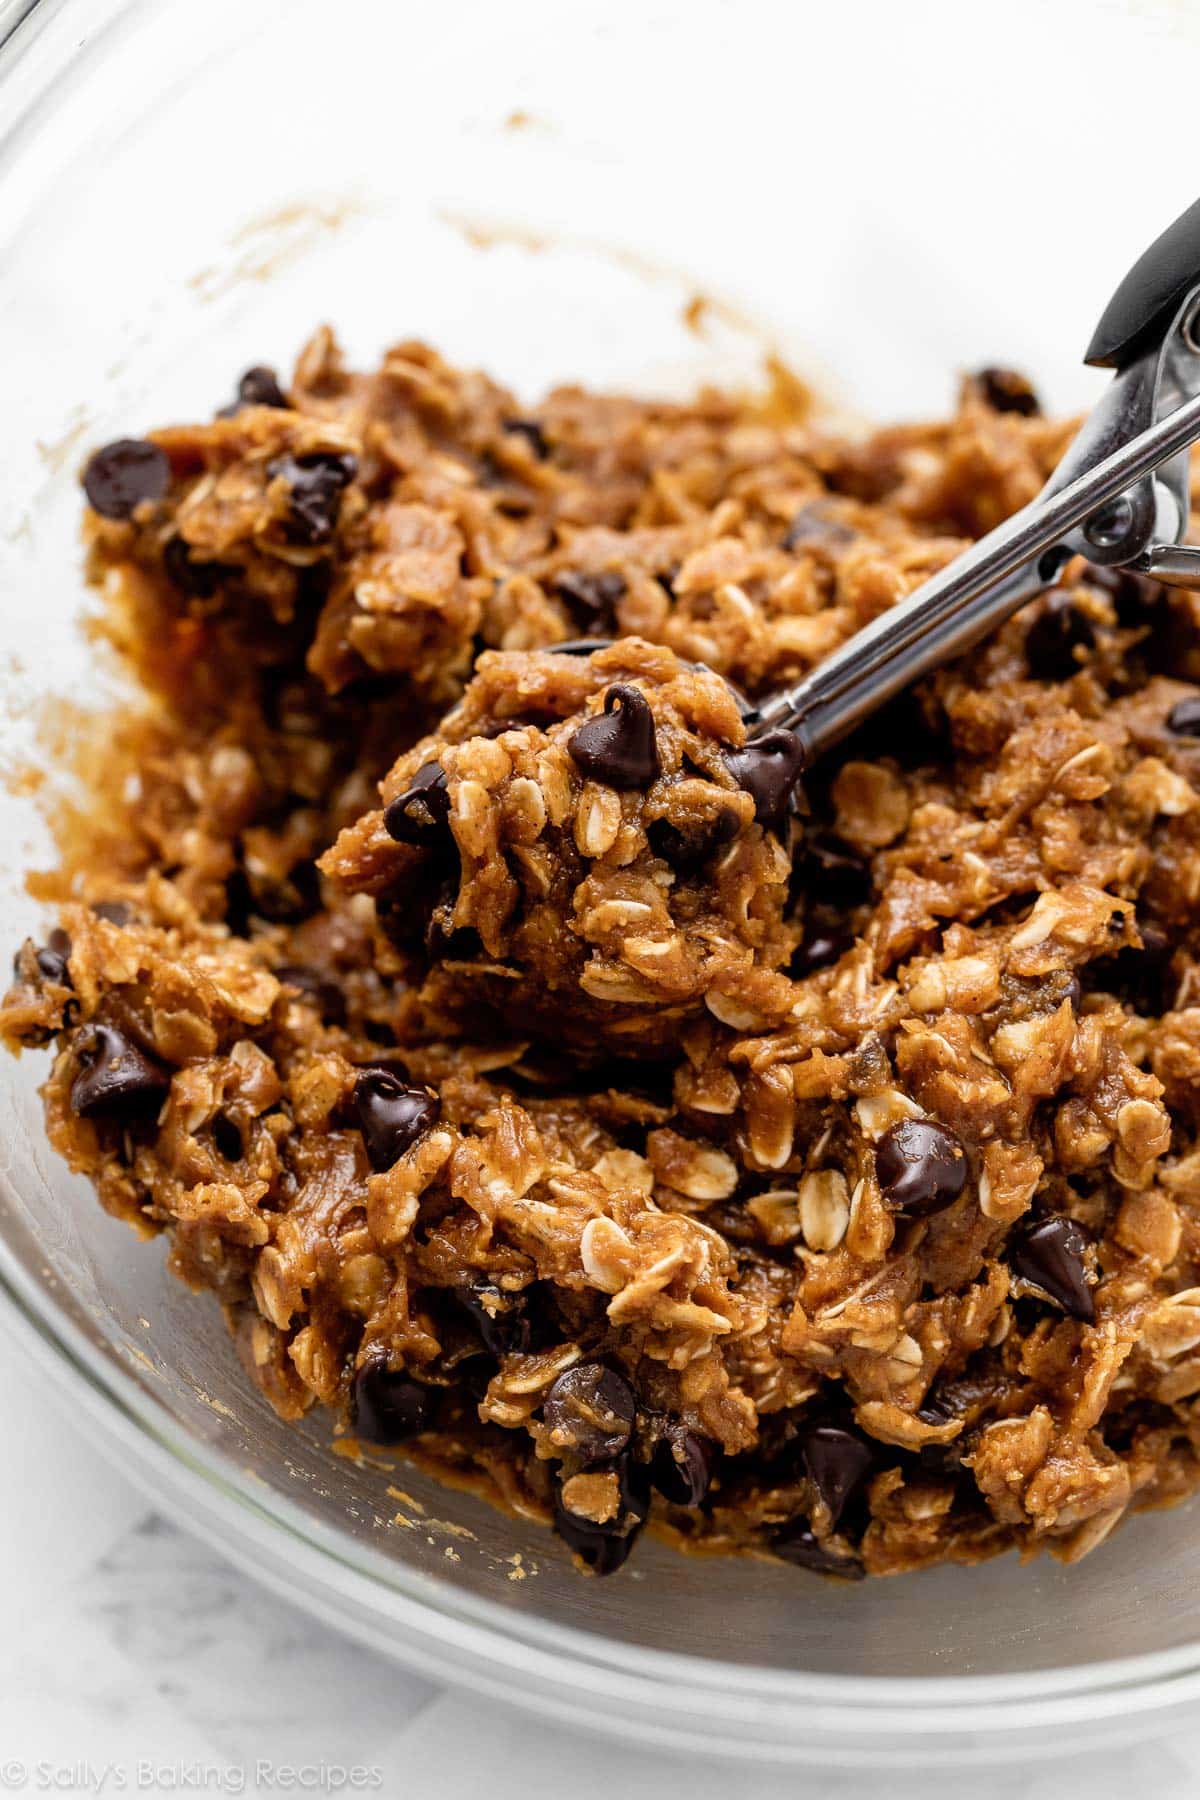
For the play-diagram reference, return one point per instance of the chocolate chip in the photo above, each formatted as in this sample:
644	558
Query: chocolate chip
450	942
392	1116
1137	600
116	1078
502	1320
837	1462
685	850
618	746
326	996
941	1459
1050	1255
387	1406
591	598
116	912
52	965
796	1544
1005	391
1143	976
532	432
1057	642
201	579
819	951
50	959
813	527
421	812
227	1136
284	902
120	476
259	386
604	1548
768	769
590	1412
830	872
682	1466
921	1167
316	482
1184	717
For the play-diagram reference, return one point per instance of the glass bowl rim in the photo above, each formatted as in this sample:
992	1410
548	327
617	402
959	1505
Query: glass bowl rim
117	1411
123	1413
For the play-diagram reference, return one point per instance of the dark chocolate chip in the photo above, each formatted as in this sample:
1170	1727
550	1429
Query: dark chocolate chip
422	811
259	386
450	942
239	903
813	526
532	432
392	1116
604	1552
284	902
1006	391
921	1167
1050	1255
1137	600
940	1459
502	1320
316	482
618	746
796	1544
690	849
768	769
52	965
936	1409
837	1461
591	597
590	1412
227	1136
115	912
1184	717
387	1406
120	476
1057	642
116	1078
682	1466
1141	975
604	1548
830	872
201	579
326	996
820	950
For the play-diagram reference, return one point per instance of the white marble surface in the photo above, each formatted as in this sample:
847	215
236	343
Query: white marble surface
136	1661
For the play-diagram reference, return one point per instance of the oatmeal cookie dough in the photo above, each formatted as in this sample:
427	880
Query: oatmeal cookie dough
530	1081
578	850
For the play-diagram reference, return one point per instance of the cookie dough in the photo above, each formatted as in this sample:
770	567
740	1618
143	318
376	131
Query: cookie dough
574	852
537	1085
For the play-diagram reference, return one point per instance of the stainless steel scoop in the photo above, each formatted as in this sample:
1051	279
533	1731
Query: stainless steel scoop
1119	497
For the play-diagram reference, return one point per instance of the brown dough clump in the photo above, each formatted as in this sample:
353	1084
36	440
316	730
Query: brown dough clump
602	897
819	1184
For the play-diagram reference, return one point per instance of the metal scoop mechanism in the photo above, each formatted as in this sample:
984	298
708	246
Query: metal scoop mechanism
1119	497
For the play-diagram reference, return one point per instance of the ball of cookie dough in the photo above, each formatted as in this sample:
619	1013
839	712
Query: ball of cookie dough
590	848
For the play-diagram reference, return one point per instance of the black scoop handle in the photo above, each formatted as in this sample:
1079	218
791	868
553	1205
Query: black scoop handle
1149	295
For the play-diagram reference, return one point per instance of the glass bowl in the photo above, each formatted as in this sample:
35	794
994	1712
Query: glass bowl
882	196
